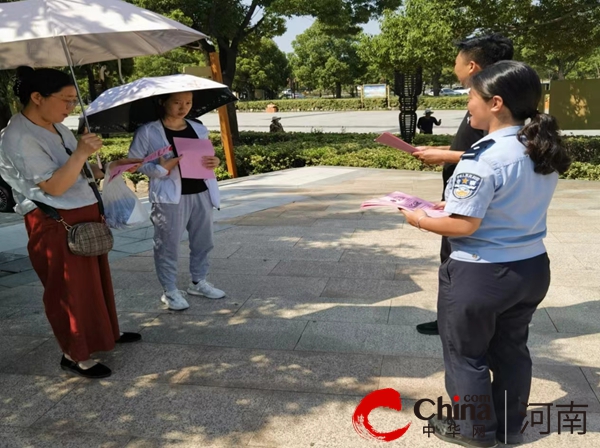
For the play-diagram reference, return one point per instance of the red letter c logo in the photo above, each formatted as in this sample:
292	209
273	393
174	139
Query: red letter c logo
386	398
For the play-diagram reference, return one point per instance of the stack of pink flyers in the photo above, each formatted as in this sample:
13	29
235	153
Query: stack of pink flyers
391	140
406	202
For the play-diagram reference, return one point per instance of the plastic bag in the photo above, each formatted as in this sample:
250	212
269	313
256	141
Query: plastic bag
122	208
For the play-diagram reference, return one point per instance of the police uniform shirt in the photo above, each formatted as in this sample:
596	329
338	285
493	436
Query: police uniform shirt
465	137
496	182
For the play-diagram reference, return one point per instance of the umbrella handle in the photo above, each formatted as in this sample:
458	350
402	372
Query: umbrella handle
65	46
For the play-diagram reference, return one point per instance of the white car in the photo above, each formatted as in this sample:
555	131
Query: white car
462	91
449	92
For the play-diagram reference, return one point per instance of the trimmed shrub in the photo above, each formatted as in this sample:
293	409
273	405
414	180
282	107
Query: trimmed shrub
266	152
344	104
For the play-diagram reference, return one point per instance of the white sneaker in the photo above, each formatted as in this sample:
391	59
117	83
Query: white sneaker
174	300
205	289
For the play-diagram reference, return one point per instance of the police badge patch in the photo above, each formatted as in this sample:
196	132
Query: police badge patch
466	185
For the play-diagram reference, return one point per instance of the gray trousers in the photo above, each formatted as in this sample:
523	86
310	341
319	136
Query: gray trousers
484	311
194	214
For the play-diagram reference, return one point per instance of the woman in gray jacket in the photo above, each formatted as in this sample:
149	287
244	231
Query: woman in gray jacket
178	204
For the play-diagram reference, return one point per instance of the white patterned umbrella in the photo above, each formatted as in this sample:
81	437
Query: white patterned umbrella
57	33
36	32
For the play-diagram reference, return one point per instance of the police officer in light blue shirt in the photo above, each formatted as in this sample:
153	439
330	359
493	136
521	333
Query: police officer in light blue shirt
498	271
493	181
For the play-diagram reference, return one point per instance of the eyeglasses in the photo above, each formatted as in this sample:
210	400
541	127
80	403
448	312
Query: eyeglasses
69	103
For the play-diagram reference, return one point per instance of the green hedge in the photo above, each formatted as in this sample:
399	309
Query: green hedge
343	104
266	152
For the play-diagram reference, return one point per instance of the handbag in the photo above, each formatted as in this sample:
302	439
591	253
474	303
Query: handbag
87	239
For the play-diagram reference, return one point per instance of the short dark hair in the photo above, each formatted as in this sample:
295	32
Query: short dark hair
487	50
46	81
520	88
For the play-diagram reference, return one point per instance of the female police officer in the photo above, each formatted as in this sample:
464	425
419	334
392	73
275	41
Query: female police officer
498	271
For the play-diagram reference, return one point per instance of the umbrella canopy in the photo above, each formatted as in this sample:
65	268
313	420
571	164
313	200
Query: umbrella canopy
35	32
125	108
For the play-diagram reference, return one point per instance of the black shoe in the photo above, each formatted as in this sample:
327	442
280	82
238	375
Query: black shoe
443	431
126	338
98	371
430	328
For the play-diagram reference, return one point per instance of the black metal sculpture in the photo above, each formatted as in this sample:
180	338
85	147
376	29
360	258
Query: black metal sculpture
408	87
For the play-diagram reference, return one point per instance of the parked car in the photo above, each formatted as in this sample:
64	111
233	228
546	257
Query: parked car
449	92
462	91
7	201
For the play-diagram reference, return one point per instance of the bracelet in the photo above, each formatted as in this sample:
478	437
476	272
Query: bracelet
419	223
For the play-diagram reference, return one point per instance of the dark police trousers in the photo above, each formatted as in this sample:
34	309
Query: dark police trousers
484	311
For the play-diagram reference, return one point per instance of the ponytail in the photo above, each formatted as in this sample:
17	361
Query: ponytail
544	144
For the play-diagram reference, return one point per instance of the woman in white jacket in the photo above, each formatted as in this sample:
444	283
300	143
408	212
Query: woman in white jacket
178	204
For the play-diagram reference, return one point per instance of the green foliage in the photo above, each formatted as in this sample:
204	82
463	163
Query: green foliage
325	62
419	35
313	104
583	171
169	63
262	152
261	65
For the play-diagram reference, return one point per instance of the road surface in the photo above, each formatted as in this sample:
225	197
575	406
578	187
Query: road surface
354	121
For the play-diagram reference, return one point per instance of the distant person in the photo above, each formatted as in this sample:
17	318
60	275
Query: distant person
276	125
426	122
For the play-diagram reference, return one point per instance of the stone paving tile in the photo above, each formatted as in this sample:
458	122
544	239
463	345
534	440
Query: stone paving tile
26	322
316	309
23	296
380	339
275	334
242	266
291	422
368	289
25	398
284	370
282	253
11	437
14	348
565	349
19	279
18	264
579	319
209	416
300	268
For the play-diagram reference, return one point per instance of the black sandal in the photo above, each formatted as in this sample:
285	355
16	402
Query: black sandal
98	371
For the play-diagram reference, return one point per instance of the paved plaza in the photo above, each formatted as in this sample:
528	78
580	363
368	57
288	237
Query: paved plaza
323	299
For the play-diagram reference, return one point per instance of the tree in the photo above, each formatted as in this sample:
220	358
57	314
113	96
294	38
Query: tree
230	23
552	35
324	61
421	34
261	65
169	63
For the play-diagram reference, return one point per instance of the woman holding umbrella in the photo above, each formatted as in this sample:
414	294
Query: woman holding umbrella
178	203
44	164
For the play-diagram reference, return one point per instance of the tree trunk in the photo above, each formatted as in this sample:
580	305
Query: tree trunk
338	90
228	59
91	82
560	74
435	81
